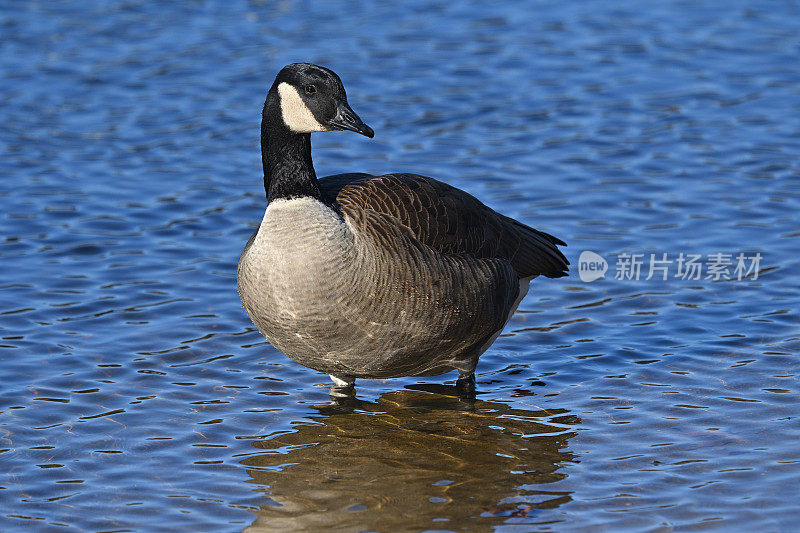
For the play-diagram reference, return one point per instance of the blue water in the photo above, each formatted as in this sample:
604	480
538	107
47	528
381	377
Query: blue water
137	395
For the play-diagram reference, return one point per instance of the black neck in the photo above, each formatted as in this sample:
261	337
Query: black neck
286	157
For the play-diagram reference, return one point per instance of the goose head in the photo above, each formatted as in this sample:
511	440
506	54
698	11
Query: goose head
312	98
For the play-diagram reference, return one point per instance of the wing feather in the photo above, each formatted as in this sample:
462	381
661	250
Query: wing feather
448	220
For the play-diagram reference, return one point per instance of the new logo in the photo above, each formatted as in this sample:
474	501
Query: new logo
591	266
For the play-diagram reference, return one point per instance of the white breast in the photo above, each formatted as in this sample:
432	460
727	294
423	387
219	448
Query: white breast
301	250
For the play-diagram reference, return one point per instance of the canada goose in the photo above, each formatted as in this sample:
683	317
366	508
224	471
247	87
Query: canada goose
363	276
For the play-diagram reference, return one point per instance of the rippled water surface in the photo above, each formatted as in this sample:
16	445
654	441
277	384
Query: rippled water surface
137	395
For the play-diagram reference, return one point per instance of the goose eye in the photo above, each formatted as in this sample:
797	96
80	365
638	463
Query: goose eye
310	89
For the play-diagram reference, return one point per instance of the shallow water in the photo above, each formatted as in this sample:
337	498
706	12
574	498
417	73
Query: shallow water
137	396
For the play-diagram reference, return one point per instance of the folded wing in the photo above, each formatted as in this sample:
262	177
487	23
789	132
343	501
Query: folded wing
448	220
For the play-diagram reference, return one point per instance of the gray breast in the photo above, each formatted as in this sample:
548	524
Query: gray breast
365	298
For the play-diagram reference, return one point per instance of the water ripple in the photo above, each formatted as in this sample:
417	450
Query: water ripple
137	395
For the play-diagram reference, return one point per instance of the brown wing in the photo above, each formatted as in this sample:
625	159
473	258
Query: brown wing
448	220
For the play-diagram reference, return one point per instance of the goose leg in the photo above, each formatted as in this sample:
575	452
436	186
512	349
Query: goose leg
343	385
466	383
342	380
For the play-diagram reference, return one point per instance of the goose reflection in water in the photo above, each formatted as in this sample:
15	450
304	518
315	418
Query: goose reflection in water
424	460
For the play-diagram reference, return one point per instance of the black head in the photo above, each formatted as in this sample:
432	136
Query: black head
312	98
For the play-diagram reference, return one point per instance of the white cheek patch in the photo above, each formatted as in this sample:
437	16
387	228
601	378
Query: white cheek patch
296	114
